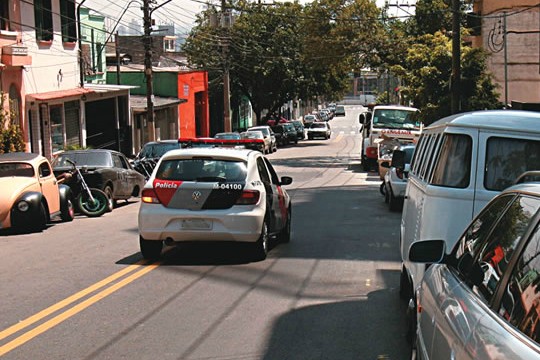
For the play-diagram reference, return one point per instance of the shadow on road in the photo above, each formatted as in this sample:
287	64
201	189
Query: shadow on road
343	330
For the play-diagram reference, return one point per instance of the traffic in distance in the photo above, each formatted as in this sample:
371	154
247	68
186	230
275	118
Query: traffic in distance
467	185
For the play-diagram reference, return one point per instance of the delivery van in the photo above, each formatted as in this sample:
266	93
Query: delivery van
460	163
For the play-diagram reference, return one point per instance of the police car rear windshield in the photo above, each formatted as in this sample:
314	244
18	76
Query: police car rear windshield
202	170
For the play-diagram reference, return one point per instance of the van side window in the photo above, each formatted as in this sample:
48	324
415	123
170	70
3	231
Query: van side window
453	168
416	162
428	156
520	303
434	154
507	158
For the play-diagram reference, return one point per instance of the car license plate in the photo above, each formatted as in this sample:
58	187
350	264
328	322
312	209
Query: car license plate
196	224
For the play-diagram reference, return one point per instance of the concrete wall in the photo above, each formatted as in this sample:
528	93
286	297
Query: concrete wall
55	64
522	80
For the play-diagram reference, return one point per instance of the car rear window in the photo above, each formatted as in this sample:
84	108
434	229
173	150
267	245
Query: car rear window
16	169
317	126
202	169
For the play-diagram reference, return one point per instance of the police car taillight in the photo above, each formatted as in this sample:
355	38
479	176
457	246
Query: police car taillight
149	196
248	197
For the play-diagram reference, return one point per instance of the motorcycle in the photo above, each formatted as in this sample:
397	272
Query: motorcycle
89	201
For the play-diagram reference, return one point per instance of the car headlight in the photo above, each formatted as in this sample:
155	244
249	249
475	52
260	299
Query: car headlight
23	206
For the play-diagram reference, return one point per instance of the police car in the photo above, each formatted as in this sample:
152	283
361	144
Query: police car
214	194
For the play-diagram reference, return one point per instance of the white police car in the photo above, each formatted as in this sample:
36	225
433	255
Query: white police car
214	194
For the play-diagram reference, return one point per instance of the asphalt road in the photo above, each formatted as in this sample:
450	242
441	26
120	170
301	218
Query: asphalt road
81	290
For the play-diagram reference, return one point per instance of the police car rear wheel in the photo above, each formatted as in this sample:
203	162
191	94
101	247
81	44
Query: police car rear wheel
261	246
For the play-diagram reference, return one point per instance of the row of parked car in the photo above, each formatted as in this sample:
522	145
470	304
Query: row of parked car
470	234
36	191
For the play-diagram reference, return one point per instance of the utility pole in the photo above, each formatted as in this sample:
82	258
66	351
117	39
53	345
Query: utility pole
225	22
455	80
147	21
150	116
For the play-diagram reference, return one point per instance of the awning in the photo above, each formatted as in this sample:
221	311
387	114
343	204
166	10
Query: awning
139	103
59	94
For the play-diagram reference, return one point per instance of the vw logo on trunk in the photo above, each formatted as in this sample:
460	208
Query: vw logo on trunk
196	195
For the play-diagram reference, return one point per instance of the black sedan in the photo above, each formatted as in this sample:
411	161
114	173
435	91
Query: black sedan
107	170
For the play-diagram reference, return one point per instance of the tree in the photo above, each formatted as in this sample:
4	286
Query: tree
427	71
286	51
11	137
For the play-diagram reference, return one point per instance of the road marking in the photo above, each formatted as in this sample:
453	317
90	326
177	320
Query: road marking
339	137
75	309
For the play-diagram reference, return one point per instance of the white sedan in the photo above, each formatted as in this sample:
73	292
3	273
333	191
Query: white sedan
319	129
214	194
395	180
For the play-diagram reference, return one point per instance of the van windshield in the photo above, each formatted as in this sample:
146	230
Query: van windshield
396	119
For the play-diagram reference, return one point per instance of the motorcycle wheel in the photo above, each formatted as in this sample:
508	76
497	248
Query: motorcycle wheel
93	208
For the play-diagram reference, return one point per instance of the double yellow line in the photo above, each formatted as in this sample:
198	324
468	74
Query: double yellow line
32	333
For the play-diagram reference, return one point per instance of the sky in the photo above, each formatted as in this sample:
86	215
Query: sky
183	12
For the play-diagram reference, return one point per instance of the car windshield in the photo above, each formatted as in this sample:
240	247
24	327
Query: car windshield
157	150
317	126
395	119
16	169
228	136
253	135
265	131
202	170
83	159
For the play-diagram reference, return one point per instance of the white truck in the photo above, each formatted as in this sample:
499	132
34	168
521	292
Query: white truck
384	128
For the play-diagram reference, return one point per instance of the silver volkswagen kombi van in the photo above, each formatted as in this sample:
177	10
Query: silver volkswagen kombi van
461	162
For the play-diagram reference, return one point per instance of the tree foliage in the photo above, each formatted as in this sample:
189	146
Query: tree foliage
285	51
427	72
11	137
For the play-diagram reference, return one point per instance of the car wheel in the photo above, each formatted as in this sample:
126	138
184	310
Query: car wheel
393	202
42	219
67	213
261	246
404	286
365	165
110	201
150	249
285	235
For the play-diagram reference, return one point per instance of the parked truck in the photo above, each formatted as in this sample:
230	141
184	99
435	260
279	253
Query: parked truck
386	127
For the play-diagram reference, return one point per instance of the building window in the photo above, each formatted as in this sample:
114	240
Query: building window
67	16
43	19
169	44
4	15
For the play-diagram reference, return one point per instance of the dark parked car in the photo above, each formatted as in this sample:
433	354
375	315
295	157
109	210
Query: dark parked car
290	132
279	133
107	170
299	126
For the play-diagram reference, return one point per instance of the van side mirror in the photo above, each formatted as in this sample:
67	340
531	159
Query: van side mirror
427	251
398	159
